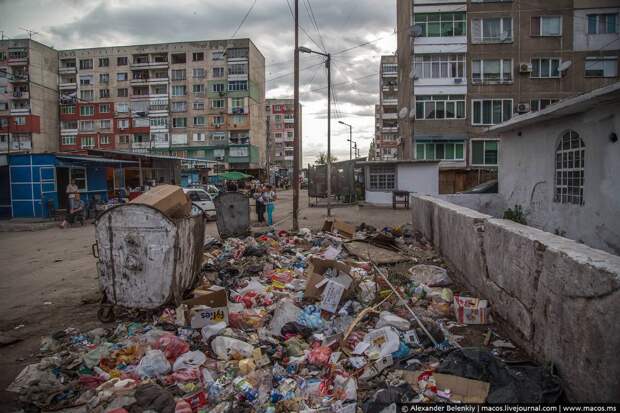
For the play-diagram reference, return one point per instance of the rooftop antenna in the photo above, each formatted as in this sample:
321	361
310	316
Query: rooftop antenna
30	32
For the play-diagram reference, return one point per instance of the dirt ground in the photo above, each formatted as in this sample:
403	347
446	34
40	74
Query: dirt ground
49	279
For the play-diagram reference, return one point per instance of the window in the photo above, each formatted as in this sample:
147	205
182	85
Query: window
123	123
218	120
198	90
235	151
178	58
389	68
199	120
540	104
87	125
86	94
546	26
86	80
439	66
491	111
200	137
3	105
104	140
87	110
601	66
545	68
440	107
86	64
602	23
442	151
218	72
2	58
199	105
104	62
491	30
141	122
238	69
382	178
68	124
67	109
68	140
158	104
179	122
104	78
491	71
237	53
104	93
217	104
123	139
178	106
104	108
484	152
178	74
159	122
199	73
237	85
122	92
238	105
219	55
198	56
20	120
105	124
121	61
79	174
570	169
217	87
440	24
179	90
87	142
121	77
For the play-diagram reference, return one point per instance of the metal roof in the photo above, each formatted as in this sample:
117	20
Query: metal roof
151	156
95	159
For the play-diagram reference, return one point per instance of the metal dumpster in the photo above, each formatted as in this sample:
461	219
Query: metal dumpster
233	215
145	259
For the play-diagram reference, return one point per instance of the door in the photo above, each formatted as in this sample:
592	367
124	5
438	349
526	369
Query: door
5	193
62	180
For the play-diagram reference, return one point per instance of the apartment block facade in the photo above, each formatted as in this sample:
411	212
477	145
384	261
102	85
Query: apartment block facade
387	140
475	64
199	99
28	97
281	128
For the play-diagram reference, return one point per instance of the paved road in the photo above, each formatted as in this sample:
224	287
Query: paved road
49	279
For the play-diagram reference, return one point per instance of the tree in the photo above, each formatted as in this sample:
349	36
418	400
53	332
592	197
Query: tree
322	159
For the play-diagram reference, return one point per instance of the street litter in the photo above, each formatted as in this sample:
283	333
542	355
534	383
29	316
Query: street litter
287	322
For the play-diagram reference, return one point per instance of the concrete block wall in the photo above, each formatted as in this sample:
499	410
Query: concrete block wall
558	299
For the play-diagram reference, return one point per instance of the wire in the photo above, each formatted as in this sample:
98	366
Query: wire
244	19
300	26
314	22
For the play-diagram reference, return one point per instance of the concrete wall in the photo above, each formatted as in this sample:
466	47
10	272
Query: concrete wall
491	204
558	299
526	177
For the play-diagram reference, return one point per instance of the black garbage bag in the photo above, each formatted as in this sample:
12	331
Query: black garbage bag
515	383
153	397
387	396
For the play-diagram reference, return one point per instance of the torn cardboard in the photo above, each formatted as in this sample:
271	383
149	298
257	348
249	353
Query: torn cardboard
461	390
209	306
170	200
470	310
317	282
342	228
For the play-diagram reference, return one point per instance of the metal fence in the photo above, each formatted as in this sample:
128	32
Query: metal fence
347	181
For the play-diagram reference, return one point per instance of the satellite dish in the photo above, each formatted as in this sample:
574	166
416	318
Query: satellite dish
412	114
403	113
416	30
565	65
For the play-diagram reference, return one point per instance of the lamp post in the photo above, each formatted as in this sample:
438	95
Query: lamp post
329	124
350	138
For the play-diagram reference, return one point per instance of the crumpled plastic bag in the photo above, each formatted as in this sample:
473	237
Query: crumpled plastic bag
311	318
390	319
30	376
226	348
153	364
319	356
93	357
191	359
172	346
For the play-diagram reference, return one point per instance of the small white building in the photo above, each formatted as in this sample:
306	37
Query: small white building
382	178
562	166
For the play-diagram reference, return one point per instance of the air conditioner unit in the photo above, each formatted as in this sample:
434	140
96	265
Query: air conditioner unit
525	68
219	158
458	80
523	107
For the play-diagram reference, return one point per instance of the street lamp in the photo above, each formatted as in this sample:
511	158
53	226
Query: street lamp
328	60
350	138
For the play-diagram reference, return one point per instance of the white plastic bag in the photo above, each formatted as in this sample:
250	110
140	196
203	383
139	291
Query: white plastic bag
191	359
153	364
225	347
389	319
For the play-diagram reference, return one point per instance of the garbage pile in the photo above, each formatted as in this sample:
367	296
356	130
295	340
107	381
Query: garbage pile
294	322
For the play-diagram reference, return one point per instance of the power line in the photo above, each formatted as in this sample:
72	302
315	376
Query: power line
314	22
244	19
300	26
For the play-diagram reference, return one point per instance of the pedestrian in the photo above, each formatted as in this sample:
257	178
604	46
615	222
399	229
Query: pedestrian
260	205
269	199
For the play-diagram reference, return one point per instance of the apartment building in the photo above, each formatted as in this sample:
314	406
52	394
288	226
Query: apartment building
475	64
387	140
28	97
281	128
199	99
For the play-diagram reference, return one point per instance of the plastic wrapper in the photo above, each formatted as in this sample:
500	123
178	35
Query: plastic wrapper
311	318
389	319
227	347
172	346
319	356
153	364
191	359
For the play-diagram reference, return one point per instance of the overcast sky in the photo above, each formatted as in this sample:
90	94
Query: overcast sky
66	24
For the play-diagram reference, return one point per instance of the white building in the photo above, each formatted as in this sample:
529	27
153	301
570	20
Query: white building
562	165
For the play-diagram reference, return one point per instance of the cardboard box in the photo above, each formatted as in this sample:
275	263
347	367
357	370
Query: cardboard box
317	282
209	306
169	199
462	390
342	228
470	310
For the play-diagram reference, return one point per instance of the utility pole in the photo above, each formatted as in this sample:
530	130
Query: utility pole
328	63
296	159
350	138
268	150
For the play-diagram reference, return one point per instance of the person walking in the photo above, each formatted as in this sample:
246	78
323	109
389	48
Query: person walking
269	199
260	205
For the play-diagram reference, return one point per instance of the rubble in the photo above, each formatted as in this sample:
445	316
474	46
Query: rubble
274	326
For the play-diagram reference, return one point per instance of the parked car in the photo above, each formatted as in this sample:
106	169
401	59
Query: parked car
202	199
212	190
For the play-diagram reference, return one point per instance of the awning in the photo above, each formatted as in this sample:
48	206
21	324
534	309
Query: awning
137	155
93	160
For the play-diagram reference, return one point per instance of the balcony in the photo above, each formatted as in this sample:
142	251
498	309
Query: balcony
139	82
390	129
17	61
390	102
19	77
20	111
390	88
157	81
67	70
21	94
142	145
390	115
390	74
238	77
149	65
68	85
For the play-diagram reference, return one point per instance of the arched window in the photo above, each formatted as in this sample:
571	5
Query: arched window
569	169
